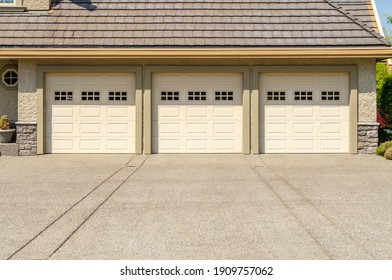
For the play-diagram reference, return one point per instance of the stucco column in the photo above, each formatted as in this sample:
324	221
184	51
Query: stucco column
26	126
367	107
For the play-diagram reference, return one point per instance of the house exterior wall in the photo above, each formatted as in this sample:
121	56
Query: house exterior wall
36	5
28	108
8	99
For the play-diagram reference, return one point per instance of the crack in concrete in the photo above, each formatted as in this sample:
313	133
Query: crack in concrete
101	204
319	211
311	204
69	209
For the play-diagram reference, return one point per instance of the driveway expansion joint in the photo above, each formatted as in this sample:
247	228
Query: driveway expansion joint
295	202
47	242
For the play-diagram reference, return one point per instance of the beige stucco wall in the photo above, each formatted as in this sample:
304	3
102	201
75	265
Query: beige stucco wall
367	100
8	99
27	105
36	5
27	95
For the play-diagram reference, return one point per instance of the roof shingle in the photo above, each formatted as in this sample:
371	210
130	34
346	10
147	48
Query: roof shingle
193	23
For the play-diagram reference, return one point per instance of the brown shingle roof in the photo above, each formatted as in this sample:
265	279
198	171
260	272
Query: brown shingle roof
190	23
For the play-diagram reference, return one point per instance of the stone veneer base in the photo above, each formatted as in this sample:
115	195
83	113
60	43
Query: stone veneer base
26	138
367	138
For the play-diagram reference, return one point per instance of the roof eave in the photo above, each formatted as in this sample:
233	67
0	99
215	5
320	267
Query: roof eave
31	53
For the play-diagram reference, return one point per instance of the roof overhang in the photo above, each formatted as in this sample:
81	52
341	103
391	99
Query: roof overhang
31	53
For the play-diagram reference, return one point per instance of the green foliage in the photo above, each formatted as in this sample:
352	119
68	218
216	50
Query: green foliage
380	150
388	154
4	122
381	74
385	108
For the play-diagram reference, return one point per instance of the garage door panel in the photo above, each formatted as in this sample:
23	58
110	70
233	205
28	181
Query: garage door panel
90	145
119	112
105	125
303	80
63	144
303	144
221	112
196	128
118	128
225	128
196	112
167	112
277	128
63	112
191	124
169	145
303	128
328	80
277	145
331	112
331	128
224	145
117	144
317	125
199	145
303	112
63	128
275	112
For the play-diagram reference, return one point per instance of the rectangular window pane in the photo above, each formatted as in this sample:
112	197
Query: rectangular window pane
63	96
276	96
197	96
7	1
330	96
90	96
118	96
170	96
303	96
224	96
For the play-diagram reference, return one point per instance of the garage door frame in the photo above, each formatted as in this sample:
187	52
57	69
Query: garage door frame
150	70
353	97
41	85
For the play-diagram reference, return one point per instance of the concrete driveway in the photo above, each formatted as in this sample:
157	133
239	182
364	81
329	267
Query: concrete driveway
195	207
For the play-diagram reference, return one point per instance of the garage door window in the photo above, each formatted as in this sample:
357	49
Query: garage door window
118	96
224	96
197	96
170	96
330	96
63	96
90	96
303	96
276	96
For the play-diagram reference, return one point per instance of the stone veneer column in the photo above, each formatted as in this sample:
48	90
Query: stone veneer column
26	138
367	138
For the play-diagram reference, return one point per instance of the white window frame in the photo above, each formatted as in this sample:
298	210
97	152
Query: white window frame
15	3
3	77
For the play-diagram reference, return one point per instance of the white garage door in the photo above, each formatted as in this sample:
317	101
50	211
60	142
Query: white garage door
90	113
197	113
304	113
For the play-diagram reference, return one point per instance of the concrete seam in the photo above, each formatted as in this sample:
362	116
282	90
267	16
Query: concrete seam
319	211
99	206
329	255
69	209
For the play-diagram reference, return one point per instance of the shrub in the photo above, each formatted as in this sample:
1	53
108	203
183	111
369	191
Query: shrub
385	108
388	154
381	74
383	147
4	123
